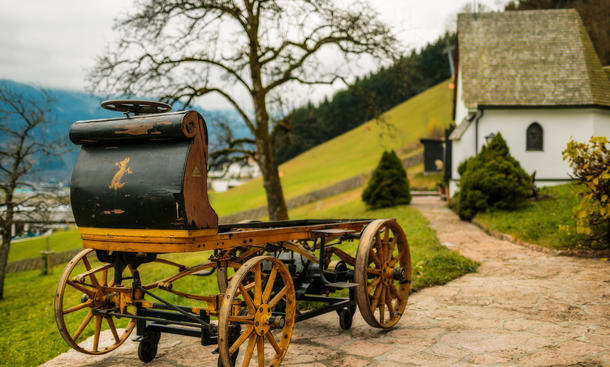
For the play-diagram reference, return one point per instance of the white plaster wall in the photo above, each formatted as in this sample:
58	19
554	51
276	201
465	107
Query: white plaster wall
461	149
559	126
601	123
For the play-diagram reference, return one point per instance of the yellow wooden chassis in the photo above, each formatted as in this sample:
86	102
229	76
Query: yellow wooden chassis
164	241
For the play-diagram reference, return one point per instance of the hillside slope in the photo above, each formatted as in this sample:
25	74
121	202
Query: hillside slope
354	152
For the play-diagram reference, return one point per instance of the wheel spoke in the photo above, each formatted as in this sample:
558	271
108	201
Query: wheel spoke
258	284
376	296
96	335
386	234
83	325
81	288
373	271
394	292
260	351
78	307
388	302
242	319
381	311
380	248
393	261
249	350
373	255
372	285
273	342
248	287
105	277
391	247
278	297
91	275
269	286
113	329
242	338
247	298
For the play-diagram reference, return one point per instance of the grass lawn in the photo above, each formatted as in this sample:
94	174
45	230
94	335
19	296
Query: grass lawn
58	241
354	152
420	181
433	264
29	335
539	222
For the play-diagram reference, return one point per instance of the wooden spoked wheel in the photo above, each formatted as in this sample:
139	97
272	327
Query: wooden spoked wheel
251	303
383	273
82	292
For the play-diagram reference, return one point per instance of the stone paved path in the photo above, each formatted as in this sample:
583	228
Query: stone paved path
523	308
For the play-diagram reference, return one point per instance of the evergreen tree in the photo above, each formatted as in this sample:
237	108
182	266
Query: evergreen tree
389	185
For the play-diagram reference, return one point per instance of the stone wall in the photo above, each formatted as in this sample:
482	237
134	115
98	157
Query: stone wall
36	262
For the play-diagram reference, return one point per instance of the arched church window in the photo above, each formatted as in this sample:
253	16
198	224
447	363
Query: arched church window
534	137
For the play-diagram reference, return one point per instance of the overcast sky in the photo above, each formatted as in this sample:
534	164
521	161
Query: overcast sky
54	43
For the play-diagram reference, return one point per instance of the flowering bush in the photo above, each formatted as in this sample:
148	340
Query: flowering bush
590	163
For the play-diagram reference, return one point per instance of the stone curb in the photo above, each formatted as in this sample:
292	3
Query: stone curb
584	253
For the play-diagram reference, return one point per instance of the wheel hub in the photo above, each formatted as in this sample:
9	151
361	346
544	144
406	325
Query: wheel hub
261	319
387	274
103	299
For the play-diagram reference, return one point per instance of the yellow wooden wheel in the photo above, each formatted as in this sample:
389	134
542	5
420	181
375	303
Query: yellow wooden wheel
260	301
82	292
383	273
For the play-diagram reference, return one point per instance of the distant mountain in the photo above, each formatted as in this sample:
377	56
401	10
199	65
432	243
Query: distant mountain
72	106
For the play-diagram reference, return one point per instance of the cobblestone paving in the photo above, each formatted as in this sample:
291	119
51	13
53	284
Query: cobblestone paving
523	308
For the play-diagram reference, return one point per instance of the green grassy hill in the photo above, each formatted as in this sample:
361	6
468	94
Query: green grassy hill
354	152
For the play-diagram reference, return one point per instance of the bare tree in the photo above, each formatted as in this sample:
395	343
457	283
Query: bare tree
251	50
22	145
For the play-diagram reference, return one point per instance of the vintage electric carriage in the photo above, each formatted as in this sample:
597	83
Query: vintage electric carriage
139	192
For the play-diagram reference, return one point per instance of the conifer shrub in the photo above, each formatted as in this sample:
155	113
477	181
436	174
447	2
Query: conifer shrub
491	179
389	185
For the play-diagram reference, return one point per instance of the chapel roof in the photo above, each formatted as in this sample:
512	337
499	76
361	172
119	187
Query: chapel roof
529	58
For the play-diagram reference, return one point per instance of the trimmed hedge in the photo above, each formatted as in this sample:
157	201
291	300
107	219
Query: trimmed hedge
491	179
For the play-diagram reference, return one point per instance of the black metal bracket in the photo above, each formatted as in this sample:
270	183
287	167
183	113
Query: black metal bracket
174	307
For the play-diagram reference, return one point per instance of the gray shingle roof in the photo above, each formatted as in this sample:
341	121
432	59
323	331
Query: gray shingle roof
529	58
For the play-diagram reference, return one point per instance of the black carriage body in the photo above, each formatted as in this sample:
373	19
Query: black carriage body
142	172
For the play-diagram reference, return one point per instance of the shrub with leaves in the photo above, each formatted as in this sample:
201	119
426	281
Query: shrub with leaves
591	167
389	185
491	179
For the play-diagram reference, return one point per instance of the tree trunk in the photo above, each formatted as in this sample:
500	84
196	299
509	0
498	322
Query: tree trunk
4	248
276	204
